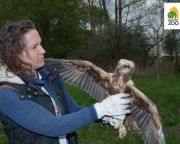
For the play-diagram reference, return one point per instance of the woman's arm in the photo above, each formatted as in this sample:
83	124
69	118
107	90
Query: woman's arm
37	119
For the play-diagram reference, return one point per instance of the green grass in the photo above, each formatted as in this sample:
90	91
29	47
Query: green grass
166	96
3	139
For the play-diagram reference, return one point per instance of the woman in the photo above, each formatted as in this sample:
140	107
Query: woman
35	108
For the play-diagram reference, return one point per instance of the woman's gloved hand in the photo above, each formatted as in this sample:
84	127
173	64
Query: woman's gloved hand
115	105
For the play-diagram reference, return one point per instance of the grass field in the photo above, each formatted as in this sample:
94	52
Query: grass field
166	95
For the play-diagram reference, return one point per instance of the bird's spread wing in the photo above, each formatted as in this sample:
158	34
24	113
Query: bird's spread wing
84	75
146	116
92	79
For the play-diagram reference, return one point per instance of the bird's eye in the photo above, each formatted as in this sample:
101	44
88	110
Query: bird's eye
126	66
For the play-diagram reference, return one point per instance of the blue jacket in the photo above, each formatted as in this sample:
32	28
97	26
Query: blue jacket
34	117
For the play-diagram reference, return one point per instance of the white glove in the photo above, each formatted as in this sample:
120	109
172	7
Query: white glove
114	121
114	105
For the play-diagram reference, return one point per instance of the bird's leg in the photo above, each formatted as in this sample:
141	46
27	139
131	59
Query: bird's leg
122	130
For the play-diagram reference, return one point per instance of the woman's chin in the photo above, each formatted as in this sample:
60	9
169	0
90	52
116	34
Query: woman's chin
42	64
39	65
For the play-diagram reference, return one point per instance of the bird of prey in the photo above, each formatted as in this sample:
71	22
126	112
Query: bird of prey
100	84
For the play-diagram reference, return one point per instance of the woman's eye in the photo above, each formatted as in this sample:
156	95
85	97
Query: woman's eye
34	46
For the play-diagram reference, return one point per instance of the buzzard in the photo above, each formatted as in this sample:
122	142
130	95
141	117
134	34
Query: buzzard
100	84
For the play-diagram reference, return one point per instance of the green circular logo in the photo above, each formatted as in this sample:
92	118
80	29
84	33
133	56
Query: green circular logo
172	15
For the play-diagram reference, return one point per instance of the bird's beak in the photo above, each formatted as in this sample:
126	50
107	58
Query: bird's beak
132	70
118	69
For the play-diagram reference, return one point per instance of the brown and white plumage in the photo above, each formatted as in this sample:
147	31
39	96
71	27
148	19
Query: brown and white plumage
100	84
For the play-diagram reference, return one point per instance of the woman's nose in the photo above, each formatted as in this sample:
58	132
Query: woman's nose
42	49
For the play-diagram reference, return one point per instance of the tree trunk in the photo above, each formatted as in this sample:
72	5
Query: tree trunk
105	11
158	64
175	52
120	14
116	13
116	28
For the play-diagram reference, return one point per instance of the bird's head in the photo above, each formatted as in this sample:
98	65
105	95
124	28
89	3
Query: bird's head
125	67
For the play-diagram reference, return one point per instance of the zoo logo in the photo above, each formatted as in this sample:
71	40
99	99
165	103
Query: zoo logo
173	16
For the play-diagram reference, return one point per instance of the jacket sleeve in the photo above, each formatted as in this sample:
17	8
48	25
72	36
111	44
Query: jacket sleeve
37	119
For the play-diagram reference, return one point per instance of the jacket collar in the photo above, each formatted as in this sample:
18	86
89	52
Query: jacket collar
6	76
42	73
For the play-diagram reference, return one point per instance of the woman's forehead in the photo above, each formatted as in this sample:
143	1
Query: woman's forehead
31	37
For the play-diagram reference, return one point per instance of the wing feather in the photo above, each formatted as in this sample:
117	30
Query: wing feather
85	86
146	116
84	75
69	76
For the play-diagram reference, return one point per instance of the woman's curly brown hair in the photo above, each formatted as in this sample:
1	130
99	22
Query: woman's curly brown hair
11	44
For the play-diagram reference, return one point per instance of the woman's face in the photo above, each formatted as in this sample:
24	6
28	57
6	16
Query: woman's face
33	52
